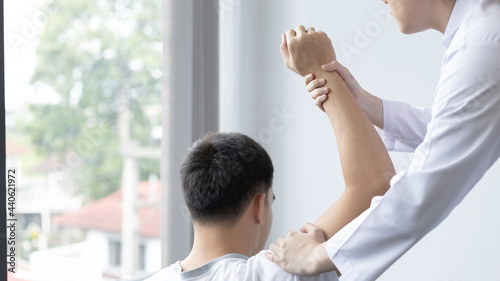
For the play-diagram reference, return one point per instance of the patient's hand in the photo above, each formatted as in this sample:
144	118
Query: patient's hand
302	253
305	51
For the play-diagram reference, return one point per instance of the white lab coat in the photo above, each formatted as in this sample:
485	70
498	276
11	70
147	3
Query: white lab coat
454	143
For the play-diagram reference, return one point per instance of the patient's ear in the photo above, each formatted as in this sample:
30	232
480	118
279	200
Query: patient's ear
258	204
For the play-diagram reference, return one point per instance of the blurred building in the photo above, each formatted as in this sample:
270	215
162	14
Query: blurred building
99	224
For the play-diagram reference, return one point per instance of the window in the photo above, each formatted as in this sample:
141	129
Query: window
115	254
83	117
142	258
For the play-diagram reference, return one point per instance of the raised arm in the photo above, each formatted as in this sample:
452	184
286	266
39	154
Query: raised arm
366	165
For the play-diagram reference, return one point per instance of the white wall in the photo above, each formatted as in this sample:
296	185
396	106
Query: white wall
152	255
65	262
261	98
98	241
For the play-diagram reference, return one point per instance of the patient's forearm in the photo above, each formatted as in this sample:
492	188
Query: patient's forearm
366	165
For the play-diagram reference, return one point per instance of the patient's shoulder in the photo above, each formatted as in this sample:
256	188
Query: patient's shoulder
236	267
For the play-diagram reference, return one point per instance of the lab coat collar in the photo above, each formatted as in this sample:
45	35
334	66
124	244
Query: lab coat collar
460	11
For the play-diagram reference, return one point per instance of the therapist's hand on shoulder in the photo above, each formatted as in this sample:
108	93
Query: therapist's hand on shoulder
302	253
320	94
304	51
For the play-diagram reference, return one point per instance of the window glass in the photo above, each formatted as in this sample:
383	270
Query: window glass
83	113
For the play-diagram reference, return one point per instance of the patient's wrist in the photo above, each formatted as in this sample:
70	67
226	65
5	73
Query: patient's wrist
318	72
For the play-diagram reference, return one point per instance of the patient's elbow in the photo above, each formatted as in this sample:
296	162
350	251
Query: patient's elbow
384	182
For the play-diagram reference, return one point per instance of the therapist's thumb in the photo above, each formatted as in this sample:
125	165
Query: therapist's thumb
308	228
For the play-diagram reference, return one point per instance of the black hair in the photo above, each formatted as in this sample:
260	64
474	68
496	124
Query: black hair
221	174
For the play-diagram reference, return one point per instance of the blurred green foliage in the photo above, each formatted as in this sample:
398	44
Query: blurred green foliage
89	54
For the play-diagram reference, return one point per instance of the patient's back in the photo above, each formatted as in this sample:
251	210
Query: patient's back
236	267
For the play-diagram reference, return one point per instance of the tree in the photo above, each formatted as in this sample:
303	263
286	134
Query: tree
97	57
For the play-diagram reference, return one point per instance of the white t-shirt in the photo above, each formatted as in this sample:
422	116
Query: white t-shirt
236	267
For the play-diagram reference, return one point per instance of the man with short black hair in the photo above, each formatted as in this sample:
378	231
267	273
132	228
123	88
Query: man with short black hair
235	167
227	185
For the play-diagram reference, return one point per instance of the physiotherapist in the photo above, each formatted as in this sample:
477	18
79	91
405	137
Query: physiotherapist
454	143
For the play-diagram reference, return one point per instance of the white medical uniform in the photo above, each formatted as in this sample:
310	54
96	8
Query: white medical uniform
236	267
455	143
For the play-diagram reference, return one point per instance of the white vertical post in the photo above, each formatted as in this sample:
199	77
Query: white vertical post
153	187
130	229
43	239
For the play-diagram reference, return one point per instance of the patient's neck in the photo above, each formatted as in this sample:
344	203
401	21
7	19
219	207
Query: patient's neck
211	242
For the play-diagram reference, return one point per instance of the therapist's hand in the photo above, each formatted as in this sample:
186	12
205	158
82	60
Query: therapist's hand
304	51
320	94
302	253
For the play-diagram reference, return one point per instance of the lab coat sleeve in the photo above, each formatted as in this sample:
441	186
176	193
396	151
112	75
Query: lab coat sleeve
461	144
404	126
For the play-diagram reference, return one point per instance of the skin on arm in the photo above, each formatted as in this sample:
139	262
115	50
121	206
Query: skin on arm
366	165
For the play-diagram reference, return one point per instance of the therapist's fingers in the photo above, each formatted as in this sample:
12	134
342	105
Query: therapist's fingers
275	248
319	92
300	29
315	84
311	30
308	228
308	78
345	74
320	100
341	70
272	257
333	66
280	241
290	235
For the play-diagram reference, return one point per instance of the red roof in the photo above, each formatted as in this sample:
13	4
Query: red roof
12	148
106	214
54	162
21	265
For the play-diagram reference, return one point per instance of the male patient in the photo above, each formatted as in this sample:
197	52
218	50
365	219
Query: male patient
227	183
